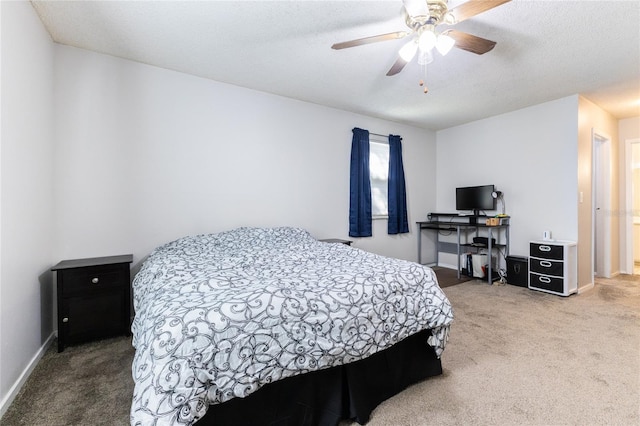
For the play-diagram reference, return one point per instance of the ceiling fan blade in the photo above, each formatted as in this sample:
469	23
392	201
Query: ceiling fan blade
474	7
397	67
471	43
372	39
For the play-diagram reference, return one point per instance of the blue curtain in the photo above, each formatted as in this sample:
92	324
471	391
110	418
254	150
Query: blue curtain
398	222
360	189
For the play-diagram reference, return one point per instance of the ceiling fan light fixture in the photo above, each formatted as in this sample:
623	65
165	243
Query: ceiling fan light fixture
427	41
444	44
408	51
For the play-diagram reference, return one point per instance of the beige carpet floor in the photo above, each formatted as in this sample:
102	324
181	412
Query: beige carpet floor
515	357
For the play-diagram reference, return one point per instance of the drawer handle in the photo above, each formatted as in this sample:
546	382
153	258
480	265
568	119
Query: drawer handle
65	319
545	280
95	280
544	248
545	263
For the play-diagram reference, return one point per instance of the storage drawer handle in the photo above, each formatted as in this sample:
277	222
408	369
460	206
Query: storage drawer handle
545	263
95	280
544	248
545	280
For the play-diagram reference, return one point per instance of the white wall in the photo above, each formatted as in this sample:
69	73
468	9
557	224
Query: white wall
530	155
593	119
145	155
26	195
629	128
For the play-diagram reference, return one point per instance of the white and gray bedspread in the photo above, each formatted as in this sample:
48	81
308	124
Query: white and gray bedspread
220	315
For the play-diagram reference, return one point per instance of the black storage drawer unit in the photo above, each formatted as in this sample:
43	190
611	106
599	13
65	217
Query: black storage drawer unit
517	270
553	267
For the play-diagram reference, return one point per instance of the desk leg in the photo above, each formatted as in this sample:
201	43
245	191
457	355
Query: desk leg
490	256
437	247
458	251
419	244
507	235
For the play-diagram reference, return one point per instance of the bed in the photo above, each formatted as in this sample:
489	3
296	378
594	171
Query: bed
271	326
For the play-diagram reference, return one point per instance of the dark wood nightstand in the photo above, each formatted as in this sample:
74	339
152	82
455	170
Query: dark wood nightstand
94	298
336	240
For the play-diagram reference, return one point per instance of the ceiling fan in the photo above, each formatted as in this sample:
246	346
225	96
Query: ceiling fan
423	17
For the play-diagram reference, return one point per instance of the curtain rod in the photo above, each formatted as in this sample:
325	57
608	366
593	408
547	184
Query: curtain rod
378	134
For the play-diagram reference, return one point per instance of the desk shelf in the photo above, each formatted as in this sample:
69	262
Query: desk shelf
481	246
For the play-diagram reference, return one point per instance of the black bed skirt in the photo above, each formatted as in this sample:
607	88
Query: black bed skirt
325	397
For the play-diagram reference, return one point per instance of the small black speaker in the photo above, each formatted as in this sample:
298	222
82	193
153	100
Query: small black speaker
518	270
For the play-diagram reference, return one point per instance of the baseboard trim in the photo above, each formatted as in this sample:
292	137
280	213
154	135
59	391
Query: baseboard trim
15	389
585	287
446	265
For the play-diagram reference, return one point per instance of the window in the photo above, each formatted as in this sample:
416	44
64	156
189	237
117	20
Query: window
379	175
376	184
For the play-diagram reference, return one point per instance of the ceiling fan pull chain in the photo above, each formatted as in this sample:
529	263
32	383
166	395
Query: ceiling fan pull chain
422	80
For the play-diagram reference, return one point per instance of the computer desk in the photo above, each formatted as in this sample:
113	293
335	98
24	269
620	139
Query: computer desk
461	223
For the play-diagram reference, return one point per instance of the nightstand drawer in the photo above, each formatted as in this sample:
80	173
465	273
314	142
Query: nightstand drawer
94	278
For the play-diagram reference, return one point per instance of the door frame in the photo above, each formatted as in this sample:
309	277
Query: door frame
628	167
601	169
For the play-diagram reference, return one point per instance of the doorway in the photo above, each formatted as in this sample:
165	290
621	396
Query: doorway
601	204
632	196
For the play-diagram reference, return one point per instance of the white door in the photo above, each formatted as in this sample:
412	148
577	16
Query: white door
601	195
632	174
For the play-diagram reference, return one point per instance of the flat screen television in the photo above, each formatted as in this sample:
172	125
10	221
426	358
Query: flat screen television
475	198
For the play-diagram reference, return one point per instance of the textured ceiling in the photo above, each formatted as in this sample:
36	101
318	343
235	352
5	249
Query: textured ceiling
545	50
